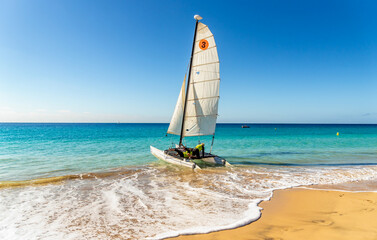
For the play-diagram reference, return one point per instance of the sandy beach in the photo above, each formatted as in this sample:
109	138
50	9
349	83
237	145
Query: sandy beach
308	214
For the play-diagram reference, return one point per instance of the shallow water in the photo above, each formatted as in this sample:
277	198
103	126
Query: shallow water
128	194
29	151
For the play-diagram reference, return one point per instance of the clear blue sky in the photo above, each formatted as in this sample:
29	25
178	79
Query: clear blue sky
109	61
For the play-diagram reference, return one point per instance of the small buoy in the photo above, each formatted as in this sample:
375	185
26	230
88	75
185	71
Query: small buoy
337	134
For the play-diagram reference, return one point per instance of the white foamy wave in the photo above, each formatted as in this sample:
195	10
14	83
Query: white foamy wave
155	202
252	214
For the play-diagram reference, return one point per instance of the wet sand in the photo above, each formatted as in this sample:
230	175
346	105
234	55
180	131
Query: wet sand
308	214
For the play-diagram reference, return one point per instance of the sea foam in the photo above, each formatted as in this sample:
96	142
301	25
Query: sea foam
155	202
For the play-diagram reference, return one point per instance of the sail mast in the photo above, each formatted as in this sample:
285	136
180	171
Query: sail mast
197	18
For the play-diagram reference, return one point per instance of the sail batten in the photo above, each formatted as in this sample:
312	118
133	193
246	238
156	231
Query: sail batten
216	79
205	64
194	99
203	94
204	38
201	116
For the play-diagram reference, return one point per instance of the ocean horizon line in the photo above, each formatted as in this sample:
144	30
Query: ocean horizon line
246	123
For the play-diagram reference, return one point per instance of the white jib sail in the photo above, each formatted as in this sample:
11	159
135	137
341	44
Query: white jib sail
176	120
203	92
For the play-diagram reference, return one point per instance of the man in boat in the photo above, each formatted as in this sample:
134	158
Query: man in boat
187	154
199	148
184	153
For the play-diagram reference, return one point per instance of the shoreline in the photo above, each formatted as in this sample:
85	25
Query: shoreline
307	213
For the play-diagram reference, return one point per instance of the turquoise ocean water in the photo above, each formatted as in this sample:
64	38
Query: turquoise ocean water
120	187
29	151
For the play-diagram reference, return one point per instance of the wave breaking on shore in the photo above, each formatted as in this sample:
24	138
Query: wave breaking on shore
154	202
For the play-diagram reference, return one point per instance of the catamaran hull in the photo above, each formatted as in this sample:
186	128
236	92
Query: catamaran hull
170	159
213	159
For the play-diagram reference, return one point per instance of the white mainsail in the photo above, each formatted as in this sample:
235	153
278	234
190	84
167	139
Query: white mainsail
203	92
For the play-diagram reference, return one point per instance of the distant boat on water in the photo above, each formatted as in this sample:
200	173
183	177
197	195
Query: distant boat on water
245	126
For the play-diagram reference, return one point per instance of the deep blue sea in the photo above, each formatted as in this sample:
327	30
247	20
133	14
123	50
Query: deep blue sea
100	180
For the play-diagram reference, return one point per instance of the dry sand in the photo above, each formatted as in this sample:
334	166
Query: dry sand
308	214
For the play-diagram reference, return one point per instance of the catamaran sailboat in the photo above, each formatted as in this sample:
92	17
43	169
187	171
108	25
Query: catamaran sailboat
196	110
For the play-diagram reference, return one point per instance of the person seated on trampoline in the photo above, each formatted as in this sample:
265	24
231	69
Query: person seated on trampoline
187	154
184	153
196	151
